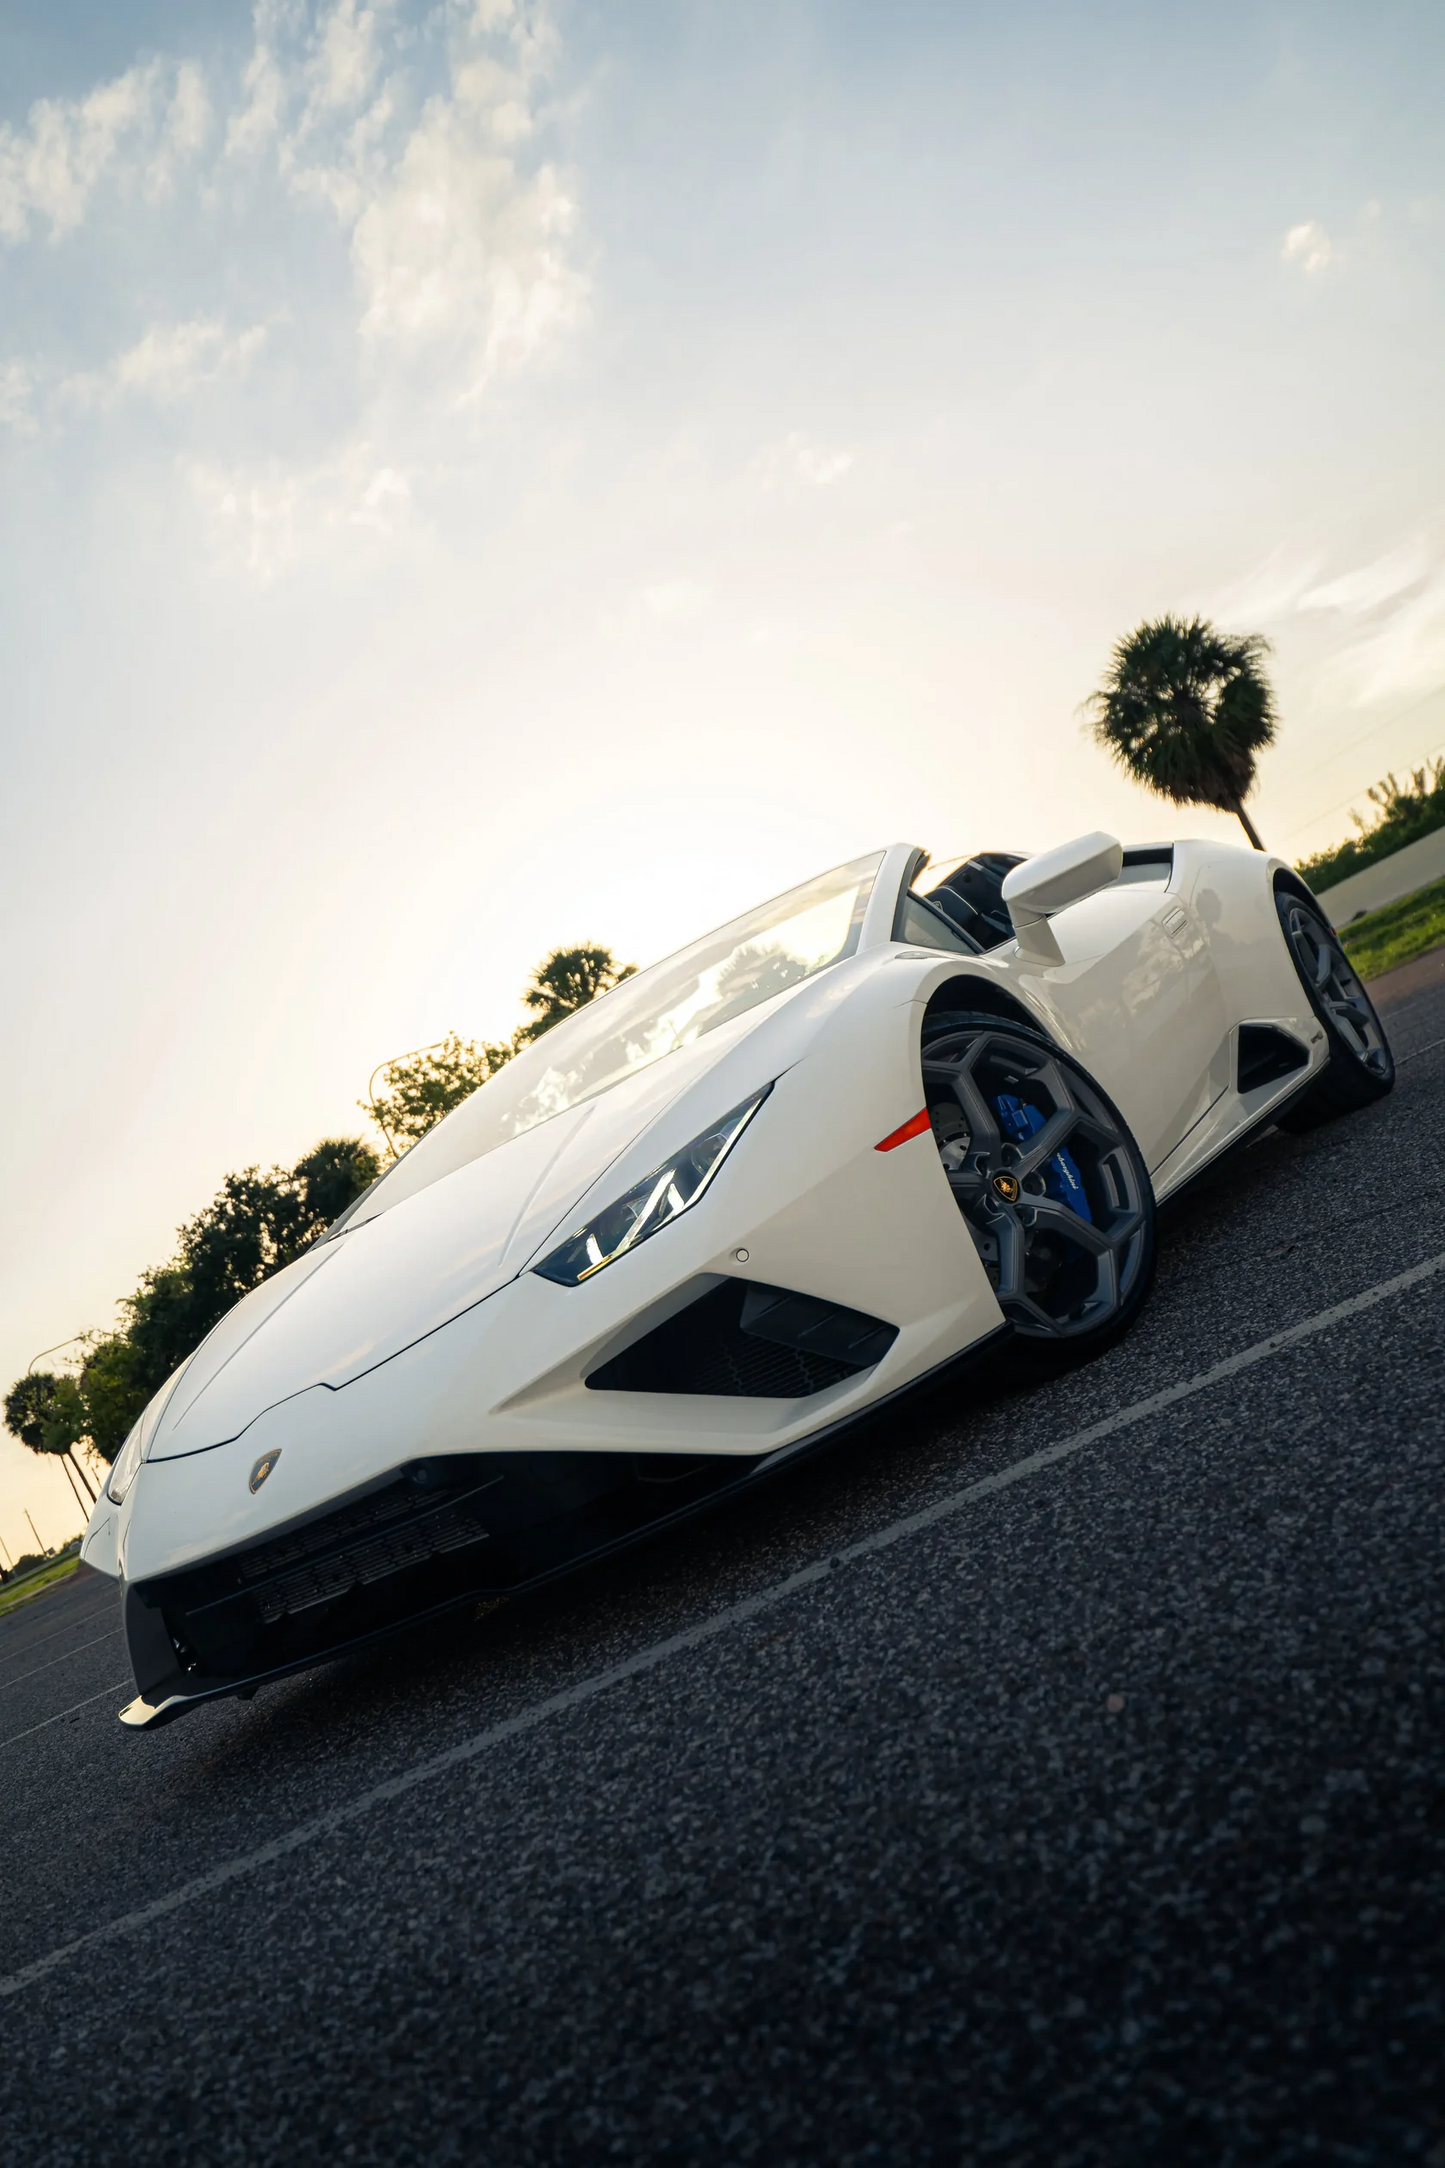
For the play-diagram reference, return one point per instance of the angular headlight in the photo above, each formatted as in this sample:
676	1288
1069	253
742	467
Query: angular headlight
122	1473
659	1199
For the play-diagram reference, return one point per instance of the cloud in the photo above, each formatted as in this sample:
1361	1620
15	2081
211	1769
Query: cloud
454	234
460	259
1389	637
461	251
796	460
169	363
344	58
670	600
1369	586
16	387
142	125
1403	651
268	517
1309	246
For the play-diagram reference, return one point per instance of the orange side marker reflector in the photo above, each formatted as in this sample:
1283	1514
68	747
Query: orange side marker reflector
916	1128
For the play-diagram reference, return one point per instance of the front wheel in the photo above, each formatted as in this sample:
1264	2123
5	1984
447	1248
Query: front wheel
1360	1067
1052	1186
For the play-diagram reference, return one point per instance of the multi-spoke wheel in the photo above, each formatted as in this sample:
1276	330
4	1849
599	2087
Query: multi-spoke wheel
1047	1176
1360	1066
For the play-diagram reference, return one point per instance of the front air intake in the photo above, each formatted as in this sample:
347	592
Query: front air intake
750	1342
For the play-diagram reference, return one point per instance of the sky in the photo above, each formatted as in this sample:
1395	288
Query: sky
487	475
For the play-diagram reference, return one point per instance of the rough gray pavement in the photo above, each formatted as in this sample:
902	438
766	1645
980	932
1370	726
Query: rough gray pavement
1102	1821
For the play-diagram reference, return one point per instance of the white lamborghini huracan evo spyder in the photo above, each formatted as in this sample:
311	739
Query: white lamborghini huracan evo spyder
740	1201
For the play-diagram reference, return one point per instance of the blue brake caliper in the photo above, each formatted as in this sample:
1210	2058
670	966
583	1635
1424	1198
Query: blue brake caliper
1062	1180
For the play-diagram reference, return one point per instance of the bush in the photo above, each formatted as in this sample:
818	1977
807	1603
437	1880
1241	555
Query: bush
1404	813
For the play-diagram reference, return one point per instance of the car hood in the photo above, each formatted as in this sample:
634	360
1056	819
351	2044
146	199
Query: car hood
375	1288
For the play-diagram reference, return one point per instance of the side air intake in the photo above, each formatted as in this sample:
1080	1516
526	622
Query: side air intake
1266	1055
752	1342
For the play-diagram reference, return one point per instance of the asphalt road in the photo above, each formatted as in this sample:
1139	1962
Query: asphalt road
1097	1818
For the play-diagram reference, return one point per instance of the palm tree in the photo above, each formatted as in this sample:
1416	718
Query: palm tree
1185	708
566	981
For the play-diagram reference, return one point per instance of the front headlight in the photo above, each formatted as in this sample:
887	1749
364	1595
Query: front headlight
655	1202
123	1469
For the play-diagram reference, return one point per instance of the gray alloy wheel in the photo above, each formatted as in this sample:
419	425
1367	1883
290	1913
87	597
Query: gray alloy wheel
1052	1186
1361	1067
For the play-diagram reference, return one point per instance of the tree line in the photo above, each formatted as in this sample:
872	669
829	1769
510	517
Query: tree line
263	1219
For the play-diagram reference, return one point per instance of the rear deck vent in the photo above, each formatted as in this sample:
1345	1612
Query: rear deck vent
1266	1056
751	1342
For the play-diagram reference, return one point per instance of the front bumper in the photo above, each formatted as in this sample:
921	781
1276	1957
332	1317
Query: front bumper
439	1535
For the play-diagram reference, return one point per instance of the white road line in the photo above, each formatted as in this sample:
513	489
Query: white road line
82	1618
50	1661
1416	1051
46	1722
572	1697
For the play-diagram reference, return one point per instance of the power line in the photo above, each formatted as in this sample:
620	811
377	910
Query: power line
1354	794
1375	730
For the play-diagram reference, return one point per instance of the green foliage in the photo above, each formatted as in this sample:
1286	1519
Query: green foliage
566	981
33	1574
113	1384
37	1411
1404	812
1400	931
260	1221
256	1223
1184	709
46	1411
422	1087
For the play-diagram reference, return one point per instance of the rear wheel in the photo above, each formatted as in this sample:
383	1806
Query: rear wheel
1360	1067
1052	1186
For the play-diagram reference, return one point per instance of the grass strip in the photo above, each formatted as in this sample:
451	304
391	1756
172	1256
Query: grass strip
1383	939
13	1594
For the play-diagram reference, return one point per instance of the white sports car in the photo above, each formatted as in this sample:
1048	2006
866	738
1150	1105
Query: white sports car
742	1200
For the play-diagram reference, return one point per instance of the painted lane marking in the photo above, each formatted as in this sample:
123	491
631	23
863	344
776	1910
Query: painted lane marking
46	1722
82	1618
738	1614
65	1659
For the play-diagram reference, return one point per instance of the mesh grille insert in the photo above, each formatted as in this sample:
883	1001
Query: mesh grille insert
751	1342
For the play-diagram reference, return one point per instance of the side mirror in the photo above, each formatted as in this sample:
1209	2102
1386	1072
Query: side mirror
1041	886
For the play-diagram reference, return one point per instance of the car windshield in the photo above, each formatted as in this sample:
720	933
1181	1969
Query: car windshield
652	1014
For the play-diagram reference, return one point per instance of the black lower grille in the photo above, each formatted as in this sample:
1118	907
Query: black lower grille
372	1558
441	1533
750	1342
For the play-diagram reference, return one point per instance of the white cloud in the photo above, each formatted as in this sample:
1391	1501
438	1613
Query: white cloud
673	599
458	232
184	130
171	361
16	388
1403	651
1309	246
1371	585
461	254
143	124
796	460
1267	593
268	517
1390	612
344	58
462	259
259	119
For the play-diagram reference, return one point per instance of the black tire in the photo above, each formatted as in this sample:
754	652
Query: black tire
1360	1068
1064	1291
